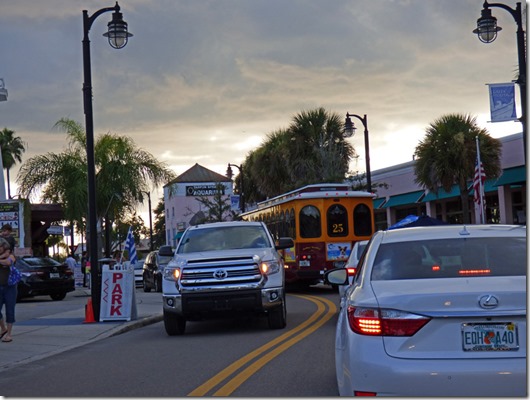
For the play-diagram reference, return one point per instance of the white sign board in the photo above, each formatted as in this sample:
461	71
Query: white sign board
118	300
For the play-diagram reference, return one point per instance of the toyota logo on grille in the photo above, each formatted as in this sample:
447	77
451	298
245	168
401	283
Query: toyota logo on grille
488	301
220	274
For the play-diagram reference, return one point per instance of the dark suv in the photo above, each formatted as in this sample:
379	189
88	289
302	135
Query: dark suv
153	268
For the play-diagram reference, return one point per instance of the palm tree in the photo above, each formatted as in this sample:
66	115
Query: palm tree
312	149
319	151
447	155
12	148
123	173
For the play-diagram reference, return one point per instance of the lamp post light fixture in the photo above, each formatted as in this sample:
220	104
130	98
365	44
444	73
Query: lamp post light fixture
349	131
487	32
229	174
118	36
151	248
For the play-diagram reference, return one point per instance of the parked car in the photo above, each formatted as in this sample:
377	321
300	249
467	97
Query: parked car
435	311
139	273
351	263
44	276
153	268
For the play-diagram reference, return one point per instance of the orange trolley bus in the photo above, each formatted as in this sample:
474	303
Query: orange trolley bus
324	220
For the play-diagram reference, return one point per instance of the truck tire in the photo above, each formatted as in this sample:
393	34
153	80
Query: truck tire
174	324
278	316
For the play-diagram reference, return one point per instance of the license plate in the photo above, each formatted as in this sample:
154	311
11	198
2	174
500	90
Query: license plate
54	275
501	336
304	263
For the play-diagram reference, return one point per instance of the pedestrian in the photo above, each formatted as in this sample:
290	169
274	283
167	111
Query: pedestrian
8	293
70	261
84	259
7	233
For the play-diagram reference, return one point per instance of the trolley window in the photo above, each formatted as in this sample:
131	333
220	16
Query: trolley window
362	220
310	222
337	218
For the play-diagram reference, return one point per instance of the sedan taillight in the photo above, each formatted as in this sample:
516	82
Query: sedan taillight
384	322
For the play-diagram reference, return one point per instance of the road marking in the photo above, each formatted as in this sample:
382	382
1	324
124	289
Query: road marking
315	321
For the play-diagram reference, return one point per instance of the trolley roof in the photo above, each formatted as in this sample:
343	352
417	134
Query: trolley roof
315	191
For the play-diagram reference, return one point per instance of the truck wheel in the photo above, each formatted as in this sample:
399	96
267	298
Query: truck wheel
174	324
147	289
278	317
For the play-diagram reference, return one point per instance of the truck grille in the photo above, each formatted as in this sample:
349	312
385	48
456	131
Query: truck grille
221	272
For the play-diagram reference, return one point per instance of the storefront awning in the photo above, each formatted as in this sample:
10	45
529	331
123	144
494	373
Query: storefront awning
404	199
378	202
511	176
442	194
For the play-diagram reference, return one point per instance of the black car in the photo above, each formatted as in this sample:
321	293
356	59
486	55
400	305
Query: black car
154	265
44	276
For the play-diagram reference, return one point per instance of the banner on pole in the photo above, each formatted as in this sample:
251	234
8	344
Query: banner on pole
118	300
502	102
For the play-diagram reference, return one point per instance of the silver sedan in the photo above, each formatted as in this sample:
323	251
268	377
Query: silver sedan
435	311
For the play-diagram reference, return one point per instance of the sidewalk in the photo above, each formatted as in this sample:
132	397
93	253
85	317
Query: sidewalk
43	337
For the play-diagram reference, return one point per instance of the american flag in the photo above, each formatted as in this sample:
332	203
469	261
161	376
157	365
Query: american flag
478	183
131	247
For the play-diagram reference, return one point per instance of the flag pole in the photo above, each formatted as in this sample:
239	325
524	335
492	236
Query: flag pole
481	188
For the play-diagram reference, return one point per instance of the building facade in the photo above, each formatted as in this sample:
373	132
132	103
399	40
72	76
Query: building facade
181	195
398	195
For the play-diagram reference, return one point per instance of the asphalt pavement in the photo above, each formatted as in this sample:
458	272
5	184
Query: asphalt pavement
52	334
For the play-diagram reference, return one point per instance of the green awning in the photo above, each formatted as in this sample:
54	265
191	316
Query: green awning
404	199
442	194
379	202
489	186
516	175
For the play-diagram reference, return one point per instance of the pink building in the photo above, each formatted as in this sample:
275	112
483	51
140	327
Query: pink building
180	198
505	196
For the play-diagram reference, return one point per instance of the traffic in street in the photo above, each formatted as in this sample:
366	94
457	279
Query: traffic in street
227	357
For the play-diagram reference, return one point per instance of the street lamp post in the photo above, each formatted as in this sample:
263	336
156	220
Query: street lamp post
349	130
118	36
241	193
487	32
151	248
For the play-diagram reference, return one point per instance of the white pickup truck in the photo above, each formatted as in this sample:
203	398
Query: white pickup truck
225	268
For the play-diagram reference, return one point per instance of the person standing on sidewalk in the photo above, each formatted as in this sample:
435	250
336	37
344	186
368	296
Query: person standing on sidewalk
8	293
7	233
70	261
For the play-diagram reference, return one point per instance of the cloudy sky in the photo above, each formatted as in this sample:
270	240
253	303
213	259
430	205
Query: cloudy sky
205	81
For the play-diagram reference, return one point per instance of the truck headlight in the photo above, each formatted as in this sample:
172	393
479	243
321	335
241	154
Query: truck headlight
270	267
171	273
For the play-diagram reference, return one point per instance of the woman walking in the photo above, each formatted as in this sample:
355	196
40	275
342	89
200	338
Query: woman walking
8	293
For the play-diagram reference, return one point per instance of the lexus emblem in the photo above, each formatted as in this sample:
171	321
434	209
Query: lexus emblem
488	301
220	274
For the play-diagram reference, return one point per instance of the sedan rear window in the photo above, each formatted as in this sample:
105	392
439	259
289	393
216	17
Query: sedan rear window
449	258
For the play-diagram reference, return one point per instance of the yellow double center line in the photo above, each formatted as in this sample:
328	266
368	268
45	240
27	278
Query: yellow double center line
278	346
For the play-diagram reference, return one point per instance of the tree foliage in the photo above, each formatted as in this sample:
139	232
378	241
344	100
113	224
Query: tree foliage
447	155
313	149
12	149
218	207
124	173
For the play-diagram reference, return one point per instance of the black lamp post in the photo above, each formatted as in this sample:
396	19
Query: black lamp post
487	32
229	175
349	131
150	221
118	36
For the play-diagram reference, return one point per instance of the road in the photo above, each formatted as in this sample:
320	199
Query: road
236	357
